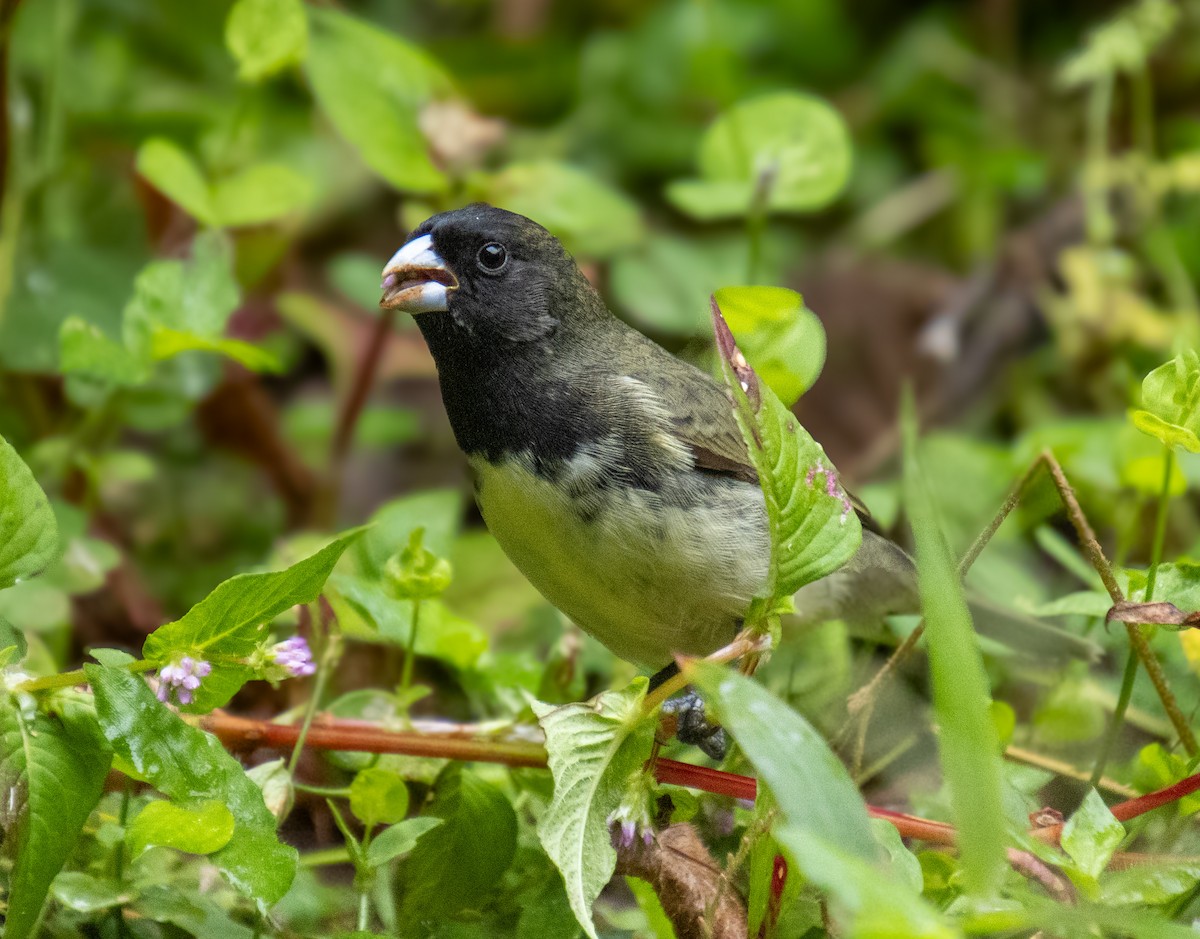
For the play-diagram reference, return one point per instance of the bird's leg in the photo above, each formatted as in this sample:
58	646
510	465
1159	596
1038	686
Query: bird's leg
691	723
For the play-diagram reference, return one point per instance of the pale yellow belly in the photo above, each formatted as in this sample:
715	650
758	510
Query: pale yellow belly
645	577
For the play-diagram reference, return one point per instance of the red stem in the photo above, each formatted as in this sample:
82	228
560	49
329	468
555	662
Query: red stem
364	737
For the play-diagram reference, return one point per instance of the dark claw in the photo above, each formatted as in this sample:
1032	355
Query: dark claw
694	727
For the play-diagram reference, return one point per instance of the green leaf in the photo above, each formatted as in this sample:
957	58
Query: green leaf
781	337
193	912
961	696
13	644
173	173
791	758
256	194
593	747
84	893
438	511
231	621
399	839
195	297
266	36
813	527
52	771
185	763
260	193
84	349
1091	835
378	796
167	343
664	283
458	863
1149	884
1171	399
371	84
441	633
28	530
865	900
793	147
588	215
197	828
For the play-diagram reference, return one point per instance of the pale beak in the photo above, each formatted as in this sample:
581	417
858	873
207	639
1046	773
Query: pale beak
416	279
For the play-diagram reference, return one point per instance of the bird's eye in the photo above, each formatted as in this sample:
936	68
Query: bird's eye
492	257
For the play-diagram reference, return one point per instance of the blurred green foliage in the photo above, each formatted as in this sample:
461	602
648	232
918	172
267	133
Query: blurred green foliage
197	201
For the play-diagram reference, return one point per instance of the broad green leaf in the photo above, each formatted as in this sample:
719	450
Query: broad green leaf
790	146
84	893
196	827
780	336
275	782
438	511
28	530
458	863
266	36
864	899
167	343
260	193
190	911
658	923
1149	884
378	796
593	747
814	529
196	296
441	633
1091	835
230	622
173	173
1171	402
791	758
13	644
371	84
664	283
961	695
83	349
399	839
185	763
52	771
588	215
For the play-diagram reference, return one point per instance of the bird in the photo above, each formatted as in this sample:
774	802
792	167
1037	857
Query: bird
612	473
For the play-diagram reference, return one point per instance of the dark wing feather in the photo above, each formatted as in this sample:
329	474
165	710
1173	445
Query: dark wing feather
702	419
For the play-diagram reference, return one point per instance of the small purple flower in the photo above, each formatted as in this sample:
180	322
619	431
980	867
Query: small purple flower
294	656
182	677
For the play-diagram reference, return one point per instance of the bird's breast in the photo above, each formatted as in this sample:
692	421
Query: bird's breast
647	571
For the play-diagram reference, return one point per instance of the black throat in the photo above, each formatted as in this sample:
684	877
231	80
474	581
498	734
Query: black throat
505	398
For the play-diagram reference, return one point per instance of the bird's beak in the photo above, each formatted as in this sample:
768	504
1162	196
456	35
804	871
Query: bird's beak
416	279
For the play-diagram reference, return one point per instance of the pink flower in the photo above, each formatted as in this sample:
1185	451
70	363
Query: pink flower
182	677
294	656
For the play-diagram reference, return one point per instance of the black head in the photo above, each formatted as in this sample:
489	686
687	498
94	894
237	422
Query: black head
482	275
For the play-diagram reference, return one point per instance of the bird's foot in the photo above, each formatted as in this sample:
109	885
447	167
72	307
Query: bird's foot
694	727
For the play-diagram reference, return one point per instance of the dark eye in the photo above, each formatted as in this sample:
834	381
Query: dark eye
492	257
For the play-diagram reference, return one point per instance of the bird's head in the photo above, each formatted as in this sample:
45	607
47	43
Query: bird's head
482	274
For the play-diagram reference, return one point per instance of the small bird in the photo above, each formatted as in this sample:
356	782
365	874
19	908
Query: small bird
612	473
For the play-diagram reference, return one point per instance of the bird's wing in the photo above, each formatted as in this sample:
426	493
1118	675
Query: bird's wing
701	418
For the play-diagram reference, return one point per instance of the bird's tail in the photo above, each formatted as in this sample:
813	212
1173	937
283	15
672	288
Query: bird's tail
881	580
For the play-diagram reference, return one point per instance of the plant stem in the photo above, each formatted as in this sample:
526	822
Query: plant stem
364	910
329	657
73	678
324	791
410	653
1131	660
